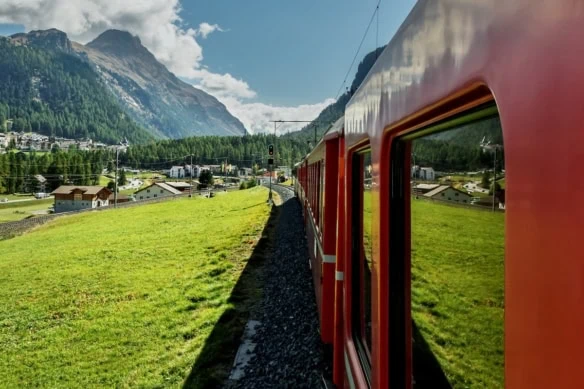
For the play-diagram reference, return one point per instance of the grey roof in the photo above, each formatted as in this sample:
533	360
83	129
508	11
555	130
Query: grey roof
427	186
40	178
66	189
178	184
163	186
442	188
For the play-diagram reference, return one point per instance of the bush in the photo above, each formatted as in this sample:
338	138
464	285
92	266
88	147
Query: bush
247	184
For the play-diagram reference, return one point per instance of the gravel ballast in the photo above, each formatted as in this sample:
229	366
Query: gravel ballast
288	351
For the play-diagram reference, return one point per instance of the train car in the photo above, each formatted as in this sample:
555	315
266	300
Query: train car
402	267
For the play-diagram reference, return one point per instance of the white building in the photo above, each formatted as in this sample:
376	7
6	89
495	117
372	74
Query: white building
427	173
448	193
196	170
156	190
177	172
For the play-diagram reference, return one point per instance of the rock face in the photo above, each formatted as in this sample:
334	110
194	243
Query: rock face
154	96
52	39
163	104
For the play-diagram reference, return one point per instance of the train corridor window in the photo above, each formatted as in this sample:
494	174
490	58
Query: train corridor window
457	253
362	259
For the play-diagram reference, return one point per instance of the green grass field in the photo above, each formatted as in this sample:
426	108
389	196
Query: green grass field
127	297
458	290
10	212
17	196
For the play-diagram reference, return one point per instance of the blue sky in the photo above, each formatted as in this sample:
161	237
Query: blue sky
263	59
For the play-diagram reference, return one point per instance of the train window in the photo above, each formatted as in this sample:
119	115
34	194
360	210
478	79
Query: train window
457	219
362	259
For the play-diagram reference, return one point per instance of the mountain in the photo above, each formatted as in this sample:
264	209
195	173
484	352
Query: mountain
107	90
51	39
56	93
152	95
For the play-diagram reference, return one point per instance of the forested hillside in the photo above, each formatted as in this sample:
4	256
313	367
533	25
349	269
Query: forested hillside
78	167
57	94
240	151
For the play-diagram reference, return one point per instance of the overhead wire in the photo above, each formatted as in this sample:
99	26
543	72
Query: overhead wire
375	12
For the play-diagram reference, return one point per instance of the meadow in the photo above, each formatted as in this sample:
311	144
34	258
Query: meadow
127	297
19	210
458	290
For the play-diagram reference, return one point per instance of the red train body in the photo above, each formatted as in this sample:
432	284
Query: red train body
448	58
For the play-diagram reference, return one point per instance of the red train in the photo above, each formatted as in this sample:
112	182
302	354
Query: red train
387	284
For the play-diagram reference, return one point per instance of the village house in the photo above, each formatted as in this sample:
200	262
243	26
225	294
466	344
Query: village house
180	186
421	189
448	193
39	183
423	173
244	171
156	190
177	172
73	198
196	170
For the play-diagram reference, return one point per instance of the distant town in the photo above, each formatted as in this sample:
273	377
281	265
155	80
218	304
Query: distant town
32	141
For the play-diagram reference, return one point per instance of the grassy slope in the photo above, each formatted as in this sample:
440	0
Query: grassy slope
458	290
19	210
122	298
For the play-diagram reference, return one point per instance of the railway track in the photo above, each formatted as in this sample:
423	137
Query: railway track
287	351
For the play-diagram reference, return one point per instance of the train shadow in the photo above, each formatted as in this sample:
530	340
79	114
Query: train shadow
427	370
214	362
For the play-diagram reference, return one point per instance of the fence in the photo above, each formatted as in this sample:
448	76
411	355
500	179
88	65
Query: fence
11	229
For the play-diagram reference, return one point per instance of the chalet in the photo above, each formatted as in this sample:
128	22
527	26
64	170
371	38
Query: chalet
73	198
177	172
448	193
157	189
39	183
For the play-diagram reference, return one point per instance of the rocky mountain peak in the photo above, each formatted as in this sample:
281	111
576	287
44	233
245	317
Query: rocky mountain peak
119	43
51	39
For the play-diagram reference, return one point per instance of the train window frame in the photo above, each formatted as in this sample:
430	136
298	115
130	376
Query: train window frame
400	314
357	296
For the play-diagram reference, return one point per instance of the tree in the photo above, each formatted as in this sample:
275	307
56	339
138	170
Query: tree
122	178
2	122
206	179
486	180
497	188
111	186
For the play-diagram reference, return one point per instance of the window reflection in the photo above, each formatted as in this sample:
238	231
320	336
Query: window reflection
367	248
457	257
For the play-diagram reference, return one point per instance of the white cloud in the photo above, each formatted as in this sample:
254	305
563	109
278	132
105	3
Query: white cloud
205	29
162	31
256	116
222	85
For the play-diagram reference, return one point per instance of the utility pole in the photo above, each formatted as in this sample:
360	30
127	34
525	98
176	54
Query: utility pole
494	176
486	145
191	187
116	179
315	135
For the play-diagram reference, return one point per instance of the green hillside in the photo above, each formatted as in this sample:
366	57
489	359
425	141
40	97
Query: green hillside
127	297
58	94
